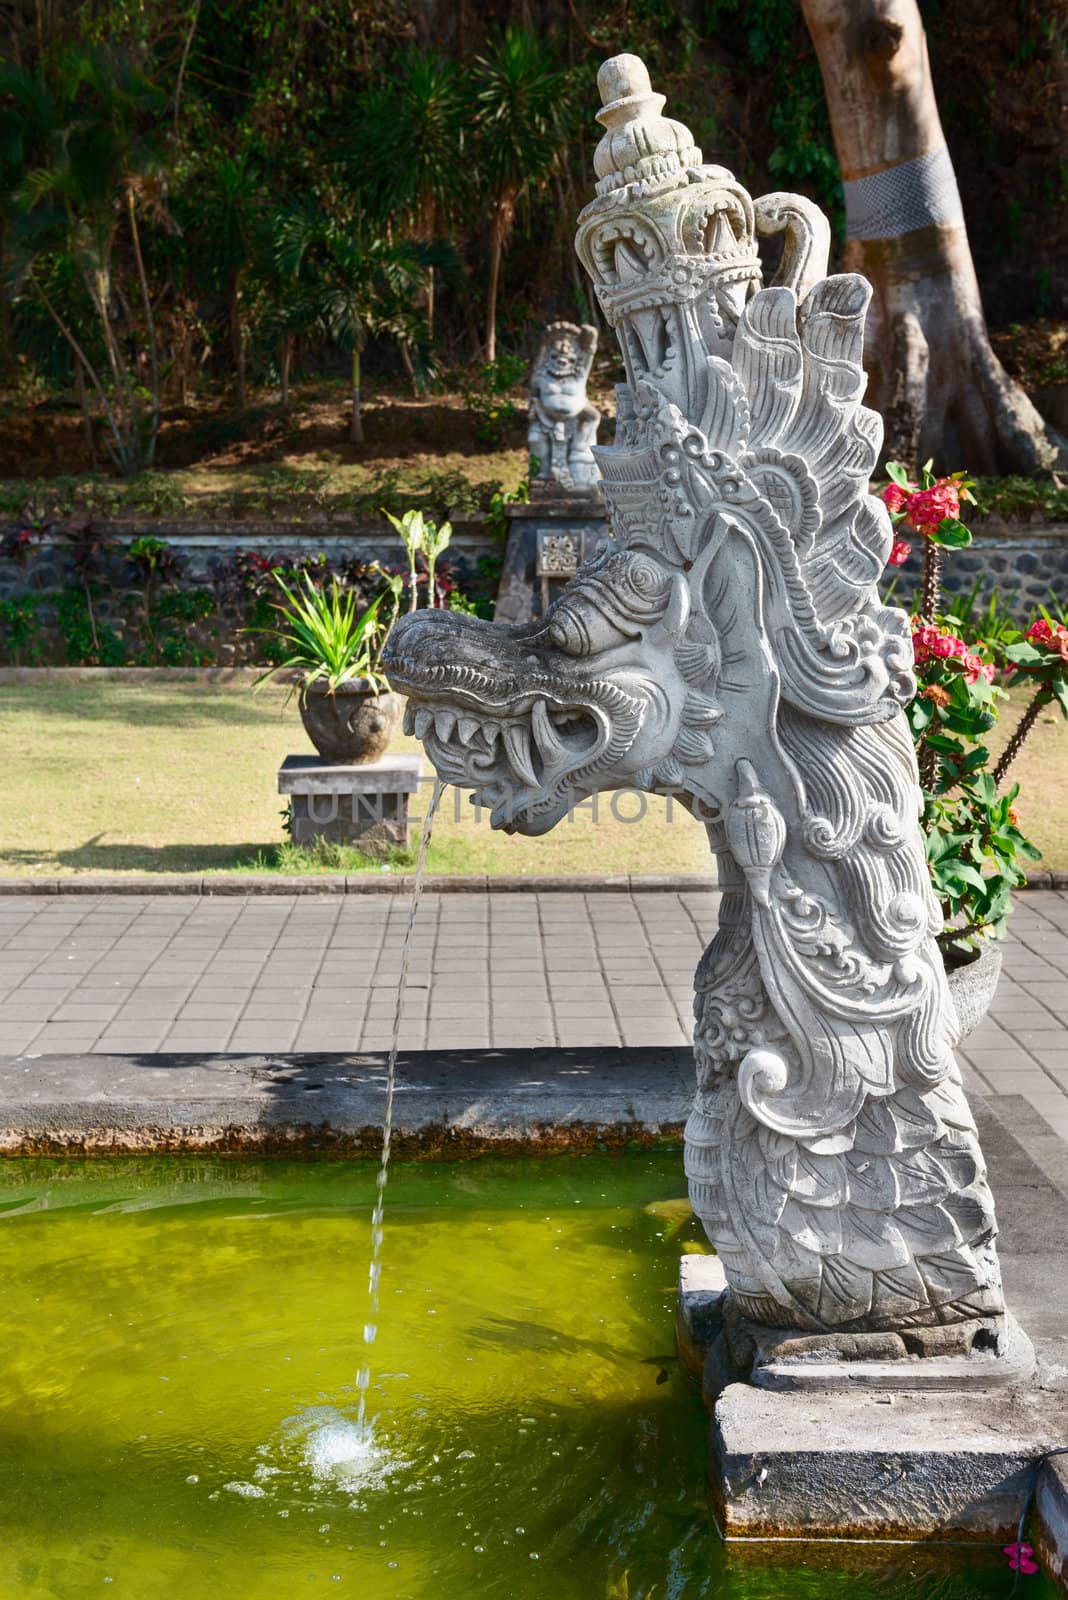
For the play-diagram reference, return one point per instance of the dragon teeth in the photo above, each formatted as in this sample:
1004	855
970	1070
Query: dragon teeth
517	743
424	721
445	723
409	718
491	732
469	726
545	734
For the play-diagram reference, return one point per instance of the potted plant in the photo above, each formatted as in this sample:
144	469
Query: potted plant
977	850
348	710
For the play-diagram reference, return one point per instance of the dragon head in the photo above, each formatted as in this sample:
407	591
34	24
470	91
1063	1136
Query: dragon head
745	545
613	687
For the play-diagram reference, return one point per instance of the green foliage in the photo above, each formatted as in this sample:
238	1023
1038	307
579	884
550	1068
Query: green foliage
489	396
778	51
84	169
988	625
329	855
421	538
976	851
408	140
86	642
1022	497
153	558
19	630
325	639
172	641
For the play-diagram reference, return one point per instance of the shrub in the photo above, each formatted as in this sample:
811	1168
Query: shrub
976	850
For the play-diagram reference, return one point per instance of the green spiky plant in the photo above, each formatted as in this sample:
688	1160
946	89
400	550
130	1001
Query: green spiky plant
327	641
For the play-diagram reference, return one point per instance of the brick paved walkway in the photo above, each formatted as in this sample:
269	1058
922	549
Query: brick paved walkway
121	974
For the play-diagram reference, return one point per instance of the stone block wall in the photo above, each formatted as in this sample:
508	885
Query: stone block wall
1027	563
206	552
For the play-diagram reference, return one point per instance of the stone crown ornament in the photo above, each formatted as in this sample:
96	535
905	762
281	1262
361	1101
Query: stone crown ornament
728	647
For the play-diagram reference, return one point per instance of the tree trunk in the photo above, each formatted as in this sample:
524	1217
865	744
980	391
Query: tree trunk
503	217
83	401
285	361
491	292
356	426
237	342
408	365
940	389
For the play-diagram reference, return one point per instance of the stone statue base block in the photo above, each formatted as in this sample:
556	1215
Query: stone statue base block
366	806
548	539
992	1353
854	1435
877	1466
719	1347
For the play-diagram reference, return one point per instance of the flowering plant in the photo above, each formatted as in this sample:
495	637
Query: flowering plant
976	848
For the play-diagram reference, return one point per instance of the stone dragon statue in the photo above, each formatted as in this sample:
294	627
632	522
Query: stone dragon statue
728	647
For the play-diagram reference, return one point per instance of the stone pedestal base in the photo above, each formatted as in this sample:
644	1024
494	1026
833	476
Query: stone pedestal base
857	1435
547	539
877	1466
365	806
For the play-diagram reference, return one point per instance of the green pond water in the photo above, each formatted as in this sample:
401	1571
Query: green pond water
180	1344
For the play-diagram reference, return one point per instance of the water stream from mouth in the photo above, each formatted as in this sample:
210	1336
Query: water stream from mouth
370	1328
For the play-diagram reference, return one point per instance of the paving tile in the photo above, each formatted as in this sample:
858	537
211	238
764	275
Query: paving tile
65	1036
263	1036
70	1012
14	1040
197	1040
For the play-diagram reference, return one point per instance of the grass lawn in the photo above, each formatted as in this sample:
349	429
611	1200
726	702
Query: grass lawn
181	777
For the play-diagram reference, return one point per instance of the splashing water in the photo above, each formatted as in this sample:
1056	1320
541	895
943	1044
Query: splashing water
362	1429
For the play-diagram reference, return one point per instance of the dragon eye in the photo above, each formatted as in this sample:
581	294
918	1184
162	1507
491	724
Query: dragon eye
568	633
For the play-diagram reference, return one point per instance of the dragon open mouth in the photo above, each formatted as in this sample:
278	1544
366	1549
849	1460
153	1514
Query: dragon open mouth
522	745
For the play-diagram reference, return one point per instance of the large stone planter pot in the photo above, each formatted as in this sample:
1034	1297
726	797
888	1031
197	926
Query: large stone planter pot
972	985
352	725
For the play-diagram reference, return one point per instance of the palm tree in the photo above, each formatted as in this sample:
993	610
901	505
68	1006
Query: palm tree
406	153
226	197
356	281
519	101
94	157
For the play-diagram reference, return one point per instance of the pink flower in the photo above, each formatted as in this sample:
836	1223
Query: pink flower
944	646
989	670
1021	1558
929	507
1039	632
901	551
974	668
895	497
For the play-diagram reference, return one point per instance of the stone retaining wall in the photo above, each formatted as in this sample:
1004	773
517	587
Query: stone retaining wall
206	553
1026	562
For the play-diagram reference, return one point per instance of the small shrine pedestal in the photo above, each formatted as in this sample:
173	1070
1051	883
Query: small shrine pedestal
548	540
366	806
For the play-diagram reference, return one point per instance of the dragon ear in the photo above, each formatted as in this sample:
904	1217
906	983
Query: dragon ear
677	614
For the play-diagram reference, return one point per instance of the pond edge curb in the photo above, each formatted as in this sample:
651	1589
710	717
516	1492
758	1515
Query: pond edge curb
400	883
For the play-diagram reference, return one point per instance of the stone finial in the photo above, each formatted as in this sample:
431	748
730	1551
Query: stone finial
639	145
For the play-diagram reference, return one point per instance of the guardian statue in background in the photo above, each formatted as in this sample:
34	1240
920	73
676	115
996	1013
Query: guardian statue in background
563	422
728	647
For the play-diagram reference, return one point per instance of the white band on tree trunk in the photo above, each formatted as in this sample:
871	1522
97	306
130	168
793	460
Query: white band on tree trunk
914	194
